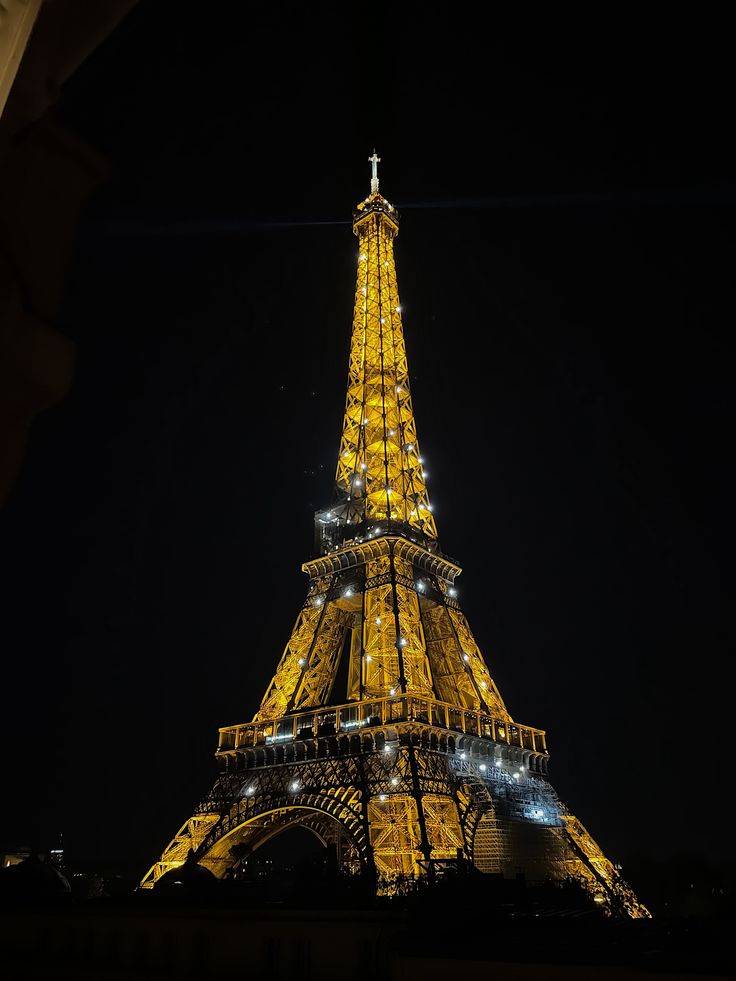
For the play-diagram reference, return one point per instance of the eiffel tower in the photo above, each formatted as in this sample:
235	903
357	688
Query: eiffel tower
413	764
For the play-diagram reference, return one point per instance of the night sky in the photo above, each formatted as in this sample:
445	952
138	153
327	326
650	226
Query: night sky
565	264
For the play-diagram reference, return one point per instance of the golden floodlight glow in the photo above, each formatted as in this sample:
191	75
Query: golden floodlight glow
382	730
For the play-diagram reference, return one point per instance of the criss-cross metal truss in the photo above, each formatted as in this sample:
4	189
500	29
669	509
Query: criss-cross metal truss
380	470
417	762
393	599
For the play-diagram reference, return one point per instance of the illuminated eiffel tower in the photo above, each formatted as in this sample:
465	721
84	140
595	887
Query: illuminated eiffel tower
416	766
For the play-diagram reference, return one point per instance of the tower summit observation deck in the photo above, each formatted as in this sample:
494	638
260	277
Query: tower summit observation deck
417	763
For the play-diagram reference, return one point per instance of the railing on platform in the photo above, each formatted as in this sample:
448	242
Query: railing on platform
357	716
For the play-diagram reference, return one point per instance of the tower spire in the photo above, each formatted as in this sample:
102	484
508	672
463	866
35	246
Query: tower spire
381	480
374	161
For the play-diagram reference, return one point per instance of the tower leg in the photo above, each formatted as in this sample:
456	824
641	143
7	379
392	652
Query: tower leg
395	811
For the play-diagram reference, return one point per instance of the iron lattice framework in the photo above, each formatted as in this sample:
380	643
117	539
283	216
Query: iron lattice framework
418	763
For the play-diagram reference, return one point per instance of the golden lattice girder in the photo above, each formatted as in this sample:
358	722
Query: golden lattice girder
443	826
305	673
189	837
408	635
380	469
484	684
603	871
395	837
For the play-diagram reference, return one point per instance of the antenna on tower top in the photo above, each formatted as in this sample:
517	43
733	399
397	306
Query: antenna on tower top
374	160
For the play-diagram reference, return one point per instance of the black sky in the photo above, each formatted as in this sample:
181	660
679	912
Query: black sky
566	269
